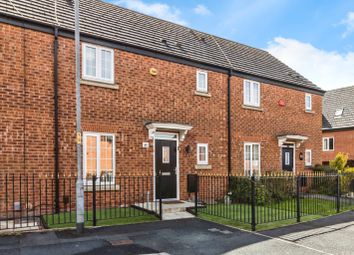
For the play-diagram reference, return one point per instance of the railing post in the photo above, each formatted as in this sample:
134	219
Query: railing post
253	203
196	195
298	205
338	194
160	194
94	218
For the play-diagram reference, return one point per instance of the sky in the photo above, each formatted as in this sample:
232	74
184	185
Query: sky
314	37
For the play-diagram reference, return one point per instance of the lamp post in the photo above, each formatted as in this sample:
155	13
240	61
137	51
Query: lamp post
79	182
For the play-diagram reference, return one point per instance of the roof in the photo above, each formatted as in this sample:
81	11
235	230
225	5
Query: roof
338	99
112	22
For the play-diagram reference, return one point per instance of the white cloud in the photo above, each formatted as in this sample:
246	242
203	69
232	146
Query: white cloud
327	69
159	10
349	23
202	10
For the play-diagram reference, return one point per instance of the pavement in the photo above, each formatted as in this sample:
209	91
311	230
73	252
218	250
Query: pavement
331	235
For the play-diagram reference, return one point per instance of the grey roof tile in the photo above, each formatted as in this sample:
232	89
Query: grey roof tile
342	98
116	23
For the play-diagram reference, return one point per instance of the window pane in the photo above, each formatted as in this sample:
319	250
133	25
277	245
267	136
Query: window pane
91	156
248	159
247	92
325	144
106	158
308	157
255	158
202	82
106	64
165	154
255	94
331	146
308	102
90	61
202	153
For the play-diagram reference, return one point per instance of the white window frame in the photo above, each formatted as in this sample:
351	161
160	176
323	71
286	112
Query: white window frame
206	161
255	101
324	139
251	154
206	89
98	76
98	139
308	161
308	109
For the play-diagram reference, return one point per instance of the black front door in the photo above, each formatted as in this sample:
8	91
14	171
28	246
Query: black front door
165	165
288	159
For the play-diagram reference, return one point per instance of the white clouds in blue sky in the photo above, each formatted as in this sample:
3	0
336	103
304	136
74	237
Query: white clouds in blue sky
349	23
202	10
329	70
159	10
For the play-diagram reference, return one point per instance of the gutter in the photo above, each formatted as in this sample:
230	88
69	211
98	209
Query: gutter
56	121
337	128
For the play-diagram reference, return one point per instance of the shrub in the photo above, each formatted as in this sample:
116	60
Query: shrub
324	169
268	190
347	176
340	162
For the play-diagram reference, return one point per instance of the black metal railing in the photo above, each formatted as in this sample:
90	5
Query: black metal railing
258	200
30	201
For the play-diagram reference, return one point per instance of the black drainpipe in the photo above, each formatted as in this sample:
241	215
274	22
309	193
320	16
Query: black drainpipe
56	121
229	128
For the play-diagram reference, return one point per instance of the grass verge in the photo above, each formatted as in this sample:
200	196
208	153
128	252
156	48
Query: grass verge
105	217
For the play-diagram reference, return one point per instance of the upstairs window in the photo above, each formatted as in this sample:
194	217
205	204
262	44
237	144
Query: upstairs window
202	154
252	159
308	102
202	81
98	63
308	157
251	93
328	144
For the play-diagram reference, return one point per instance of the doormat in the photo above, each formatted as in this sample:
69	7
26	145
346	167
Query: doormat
173	202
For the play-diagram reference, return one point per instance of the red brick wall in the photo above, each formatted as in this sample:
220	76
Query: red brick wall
272	121
140	97
343	142
26	101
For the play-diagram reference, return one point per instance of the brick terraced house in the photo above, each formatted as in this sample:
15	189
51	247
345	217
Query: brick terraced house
157	97
338	124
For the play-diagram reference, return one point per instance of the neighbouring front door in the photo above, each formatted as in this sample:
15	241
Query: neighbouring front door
288	159
165	165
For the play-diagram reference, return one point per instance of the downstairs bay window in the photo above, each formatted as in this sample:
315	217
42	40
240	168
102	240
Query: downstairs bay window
99	157
252	159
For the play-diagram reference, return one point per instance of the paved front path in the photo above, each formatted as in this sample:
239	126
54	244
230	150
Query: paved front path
334	235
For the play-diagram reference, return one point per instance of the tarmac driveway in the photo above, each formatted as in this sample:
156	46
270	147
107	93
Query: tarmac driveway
333	235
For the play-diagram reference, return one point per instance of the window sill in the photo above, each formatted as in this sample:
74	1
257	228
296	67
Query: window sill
202	94
102	187
310	112
99	84
200	167
253	108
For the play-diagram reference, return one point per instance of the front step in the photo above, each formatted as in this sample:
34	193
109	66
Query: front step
178	210
176	215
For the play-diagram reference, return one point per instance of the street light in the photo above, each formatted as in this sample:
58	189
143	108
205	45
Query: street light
79	182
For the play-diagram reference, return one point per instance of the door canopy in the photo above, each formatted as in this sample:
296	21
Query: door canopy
297	139
154	127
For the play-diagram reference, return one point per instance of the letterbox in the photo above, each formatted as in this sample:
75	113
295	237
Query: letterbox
192	183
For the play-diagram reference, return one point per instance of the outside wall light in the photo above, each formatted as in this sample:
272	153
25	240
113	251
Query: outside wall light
301	156
188	149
